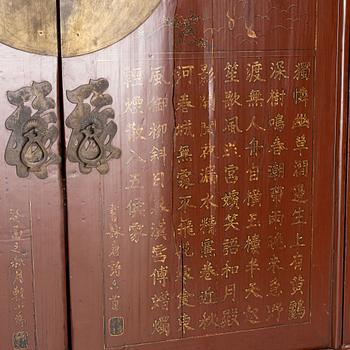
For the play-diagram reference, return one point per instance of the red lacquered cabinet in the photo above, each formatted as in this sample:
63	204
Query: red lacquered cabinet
174	175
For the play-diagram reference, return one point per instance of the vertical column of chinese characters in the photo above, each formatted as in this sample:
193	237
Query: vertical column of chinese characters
222	295
186	225
20	267
301	213
253	150
209	205
160	140
148	128
135	151
161	298
279	81
135	185
116	321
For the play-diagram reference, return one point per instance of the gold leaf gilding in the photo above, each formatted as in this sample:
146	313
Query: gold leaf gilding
86	25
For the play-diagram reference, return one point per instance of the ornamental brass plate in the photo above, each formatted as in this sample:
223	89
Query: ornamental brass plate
92	125
34	131
86	25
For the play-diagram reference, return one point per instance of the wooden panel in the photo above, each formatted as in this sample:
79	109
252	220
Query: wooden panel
32	257
344	211
217	221
252	192
116	220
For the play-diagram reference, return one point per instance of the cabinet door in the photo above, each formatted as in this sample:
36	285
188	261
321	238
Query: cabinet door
32	249
201	173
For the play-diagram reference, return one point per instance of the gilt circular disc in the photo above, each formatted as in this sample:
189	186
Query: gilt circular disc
90	25
86	25
29	25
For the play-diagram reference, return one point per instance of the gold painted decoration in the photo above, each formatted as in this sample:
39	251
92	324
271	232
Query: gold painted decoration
86	25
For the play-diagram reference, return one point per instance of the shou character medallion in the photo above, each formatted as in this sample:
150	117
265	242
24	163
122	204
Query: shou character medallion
93	129
34	131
